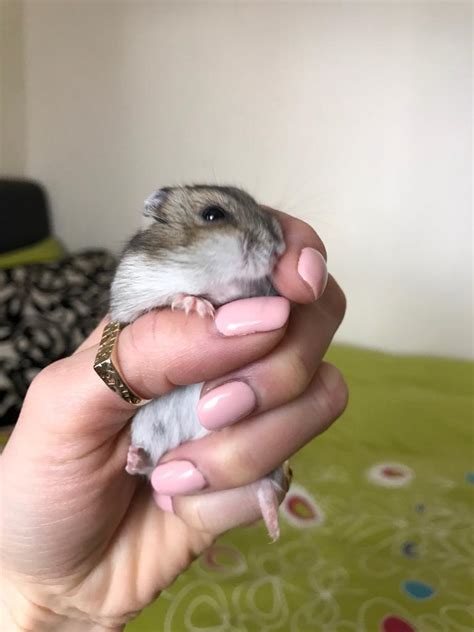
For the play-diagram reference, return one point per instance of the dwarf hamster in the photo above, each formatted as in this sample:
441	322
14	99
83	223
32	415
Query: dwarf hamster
206	245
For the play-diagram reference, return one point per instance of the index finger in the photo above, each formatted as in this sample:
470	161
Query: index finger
301	272
155	353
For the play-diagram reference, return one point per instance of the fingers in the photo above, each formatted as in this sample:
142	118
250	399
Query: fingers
249	450
216	512
155	353
301	272
284	373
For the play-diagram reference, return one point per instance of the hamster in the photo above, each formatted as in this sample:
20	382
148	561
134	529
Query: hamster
205	246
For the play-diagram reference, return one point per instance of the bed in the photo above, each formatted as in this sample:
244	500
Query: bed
377	526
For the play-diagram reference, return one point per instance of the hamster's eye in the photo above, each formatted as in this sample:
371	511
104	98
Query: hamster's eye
213	214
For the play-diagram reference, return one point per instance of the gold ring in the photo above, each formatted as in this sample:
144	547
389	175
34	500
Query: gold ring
107	369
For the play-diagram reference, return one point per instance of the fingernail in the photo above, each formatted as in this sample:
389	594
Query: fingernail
313	270
252	315
225	404
177	477
164	502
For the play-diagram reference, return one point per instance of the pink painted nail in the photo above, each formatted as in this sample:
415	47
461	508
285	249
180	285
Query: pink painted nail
225	404
177	477
252	315
164	502
313	270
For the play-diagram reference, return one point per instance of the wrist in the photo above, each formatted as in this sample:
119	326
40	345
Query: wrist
18	614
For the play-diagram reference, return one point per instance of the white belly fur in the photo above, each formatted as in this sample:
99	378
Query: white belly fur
168	421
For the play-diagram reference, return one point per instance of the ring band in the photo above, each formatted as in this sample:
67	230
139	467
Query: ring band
107	369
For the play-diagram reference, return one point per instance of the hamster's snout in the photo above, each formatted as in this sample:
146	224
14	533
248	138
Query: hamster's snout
261	251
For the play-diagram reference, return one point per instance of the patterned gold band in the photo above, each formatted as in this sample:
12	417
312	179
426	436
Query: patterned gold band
108	371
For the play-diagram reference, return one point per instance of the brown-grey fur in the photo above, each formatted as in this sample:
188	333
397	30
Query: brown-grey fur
179	224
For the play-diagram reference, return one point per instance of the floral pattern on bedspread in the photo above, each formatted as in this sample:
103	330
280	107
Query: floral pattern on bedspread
376	530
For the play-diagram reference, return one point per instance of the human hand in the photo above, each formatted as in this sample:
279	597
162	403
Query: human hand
83	545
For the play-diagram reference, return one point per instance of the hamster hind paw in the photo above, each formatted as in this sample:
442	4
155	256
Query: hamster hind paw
138	461
270	492
268	501
193	304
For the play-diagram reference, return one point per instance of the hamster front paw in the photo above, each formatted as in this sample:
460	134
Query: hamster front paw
193	304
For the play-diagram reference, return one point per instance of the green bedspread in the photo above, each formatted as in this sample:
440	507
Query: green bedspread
376	530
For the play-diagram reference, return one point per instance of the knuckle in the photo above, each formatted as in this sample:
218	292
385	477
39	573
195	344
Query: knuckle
193	511
196	514
295	366
339	398
333	301
235	465
332	398
46	395
288	376
47	377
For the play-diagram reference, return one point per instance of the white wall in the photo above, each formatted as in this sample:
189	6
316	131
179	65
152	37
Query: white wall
354	116
12	89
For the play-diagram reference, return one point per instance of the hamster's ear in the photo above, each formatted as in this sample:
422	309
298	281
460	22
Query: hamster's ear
153	206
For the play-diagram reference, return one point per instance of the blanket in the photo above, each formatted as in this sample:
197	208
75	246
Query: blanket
377	526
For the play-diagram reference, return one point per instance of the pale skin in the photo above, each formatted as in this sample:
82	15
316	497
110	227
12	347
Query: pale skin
84	546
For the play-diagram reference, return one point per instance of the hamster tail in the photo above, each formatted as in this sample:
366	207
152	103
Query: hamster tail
270	492
268	501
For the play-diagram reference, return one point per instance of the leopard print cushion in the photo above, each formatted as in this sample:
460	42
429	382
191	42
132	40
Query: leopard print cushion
46	311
